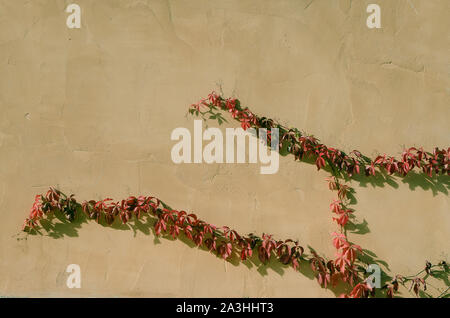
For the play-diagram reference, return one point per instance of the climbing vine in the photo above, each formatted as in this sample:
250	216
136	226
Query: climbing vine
303	145
348	267
342	166
223	241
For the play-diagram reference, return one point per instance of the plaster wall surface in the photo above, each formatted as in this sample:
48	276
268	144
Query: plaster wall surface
91	110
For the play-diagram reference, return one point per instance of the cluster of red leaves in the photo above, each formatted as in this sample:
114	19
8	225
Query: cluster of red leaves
361	290
437	161
346	252
35	214
43	204
392	288
341	211
231	105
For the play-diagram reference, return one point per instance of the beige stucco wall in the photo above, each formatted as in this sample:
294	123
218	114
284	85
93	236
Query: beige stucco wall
91	111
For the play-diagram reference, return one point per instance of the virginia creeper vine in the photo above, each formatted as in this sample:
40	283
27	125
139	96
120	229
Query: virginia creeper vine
344	166
347	267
